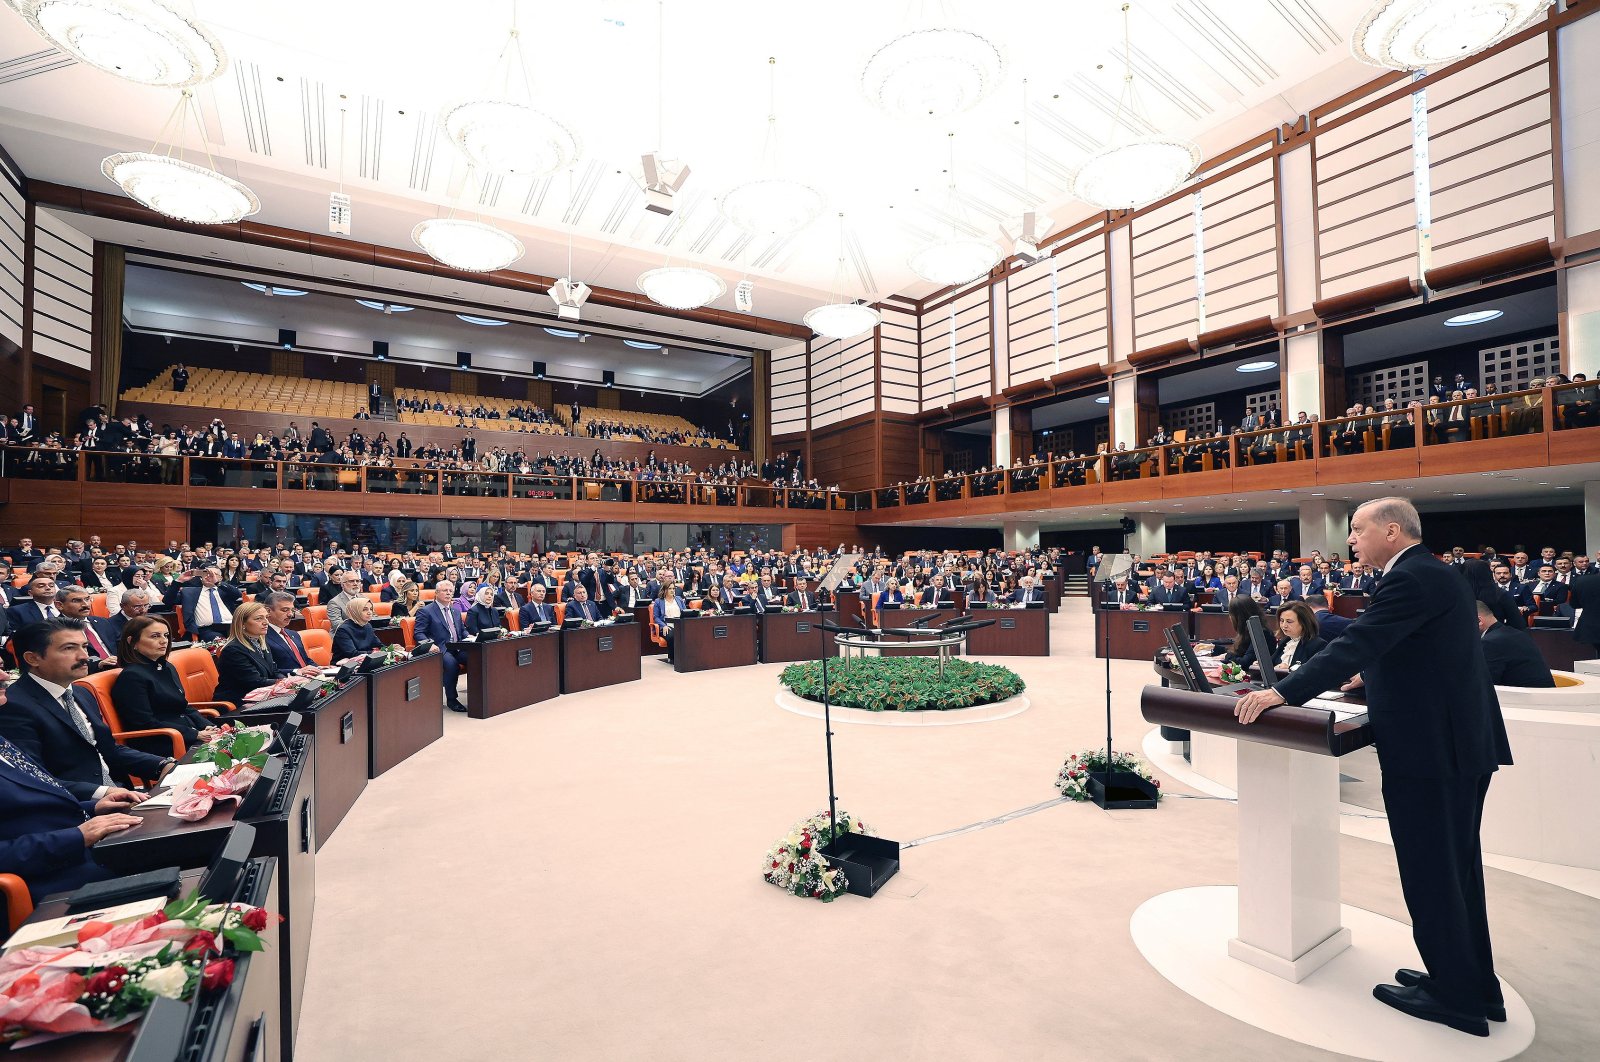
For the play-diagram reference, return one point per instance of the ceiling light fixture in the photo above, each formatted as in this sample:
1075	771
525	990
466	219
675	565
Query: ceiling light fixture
1147	166
501	131
1255	366
1104	400
467	244
144	41
569	295
271	289
1034	225
772	204
169	185
641	344
681	287
841	318
385	307
936	72
563	333
1474	317
956	259
663	176
486	322
1418	34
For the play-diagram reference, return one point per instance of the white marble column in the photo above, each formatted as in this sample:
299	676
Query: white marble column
1324	525
1019	534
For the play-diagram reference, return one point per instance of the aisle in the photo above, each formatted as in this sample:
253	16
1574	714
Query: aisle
581	880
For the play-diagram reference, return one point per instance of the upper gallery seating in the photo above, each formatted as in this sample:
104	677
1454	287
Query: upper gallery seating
258	392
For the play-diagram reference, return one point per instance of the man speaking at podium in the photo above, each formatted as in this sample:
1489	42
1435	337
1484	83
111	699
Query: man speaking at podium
1440	737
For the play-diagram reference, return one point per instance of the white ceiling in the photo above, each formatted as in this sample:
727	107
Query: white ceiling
1217	71
179	303
1522	313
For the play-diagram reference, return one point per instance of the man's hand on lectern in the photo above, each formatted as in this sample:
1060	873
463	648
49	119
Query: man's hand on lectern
1248	709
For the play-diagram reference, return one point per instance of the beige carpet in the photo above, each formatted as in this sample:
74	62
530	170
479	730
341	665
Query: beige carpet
581	880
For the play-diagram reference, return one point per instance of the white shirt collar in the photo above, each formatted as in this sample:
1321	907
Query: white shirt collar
56	692
1387	568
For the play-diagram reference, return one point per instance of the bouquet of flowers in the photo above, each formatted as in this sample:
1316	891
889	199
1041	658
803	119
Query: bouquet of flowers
795	862
322	684
113	972
234	745
1233	673
1073	778
214	646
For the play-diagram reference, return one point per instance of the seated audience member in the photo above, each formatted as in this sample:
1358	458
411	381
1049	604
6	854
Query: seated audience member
1282	594
1329	623
245	663
439	623
483	615
355	636
537	610
1241	650
1298	639
350	589
287	647
1118	594
1027	594
408	595
1512	656
148	694
1168	592
666	612
73	602
58	725
800	598
39	604
580	607
1549	596
46	830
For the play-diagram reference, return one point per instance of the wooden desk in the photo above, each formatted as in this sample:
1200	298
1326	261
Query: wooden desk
1134	635
847	603
641	618
791	636
1559	648
511	673
1016	632
599	656
905	617
403	710
243	1023
1348	605
1216	626
702	643
339	726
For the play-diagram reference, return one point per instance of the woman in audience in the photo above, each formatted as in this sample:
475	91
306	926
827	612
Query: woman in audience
1297	636
466	598
233	571
355	636
408	600
148	694
136	577
1207	579
245	662
1241	650
483	614
665	612
980	594
161	580
1480	579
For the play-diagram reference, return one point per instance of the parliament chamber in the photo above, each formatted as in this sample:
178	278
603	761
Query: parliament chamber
1136	464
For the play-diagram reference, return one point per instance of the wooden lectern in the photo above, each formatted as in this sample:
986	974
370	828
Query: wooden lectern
1288	787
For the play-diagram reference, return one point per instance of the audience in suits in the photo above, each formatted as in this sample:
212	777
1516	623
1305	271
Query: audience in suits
355	636
39	604
288	649
483	614
209	605
148	694
537	610
73	602
1512	656
580	607
245	662
58	725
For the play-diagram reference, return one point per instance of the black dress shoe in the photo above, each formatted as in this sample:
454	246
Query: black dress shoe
457	706
1413	978
1416	1002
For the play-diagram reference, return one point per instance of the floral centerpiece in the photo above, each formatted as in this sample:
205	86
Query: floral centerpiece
214	646
1233	673
1073	778
112	973
795	862
903	683
233	745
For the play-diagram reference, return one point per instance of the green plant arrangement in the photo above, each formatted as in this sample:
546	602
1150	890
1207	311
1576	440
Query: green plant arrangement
795	862
904	684
1073	778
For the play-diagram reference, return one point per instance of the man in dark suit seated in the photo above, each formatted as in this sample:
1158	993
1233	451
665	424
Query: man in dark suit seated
1118	594
39	604
537	610
58	724
766	596
1027	594
1547	597
438	622
1513	657
1168	592
208	605
935	594
288	649
1305	584
802	599
1440	738
135	603
580	607
73	603
46	832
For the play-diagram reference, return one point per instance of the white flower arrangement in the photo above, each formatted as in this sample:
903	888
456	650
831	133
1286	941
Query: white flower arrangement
795	862
1073	778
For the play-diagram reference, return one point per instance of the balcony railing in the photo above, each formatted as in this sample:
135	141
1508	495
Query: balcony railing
1312	446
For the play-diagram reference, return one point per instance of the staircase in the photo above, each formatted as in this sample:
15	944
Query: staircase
1075	586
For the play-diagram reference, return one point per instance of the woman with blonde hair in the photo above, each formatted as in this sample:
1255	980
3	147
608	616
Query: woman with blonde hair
245	662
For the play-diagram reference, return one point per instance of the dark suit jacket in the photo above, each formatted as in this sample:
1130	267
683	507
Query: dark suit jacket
1178	595
586	609
354	639
149	697
282	656
794	600
541	613
1586	595
241	669
1514	659
1330	625
34	722
1438	721
39	836
1308	648
480	616
189	597
24	612
432	626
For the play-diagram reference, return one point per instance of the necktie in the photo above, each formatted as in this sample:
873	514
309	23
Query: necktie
450	620
216	606
49	612
293	648
94	640
70	705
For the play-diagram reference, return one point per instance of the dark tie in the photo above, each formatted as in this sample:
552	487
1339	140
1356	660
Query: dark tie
450	620
80	723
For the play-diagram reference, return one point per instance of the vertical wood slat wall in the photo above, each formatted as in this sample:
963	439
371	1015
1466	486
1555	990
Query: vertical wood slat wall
13	243
63	291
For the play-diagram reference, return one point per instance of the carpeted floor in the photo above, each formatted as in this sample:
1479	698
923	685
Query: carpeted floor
582	880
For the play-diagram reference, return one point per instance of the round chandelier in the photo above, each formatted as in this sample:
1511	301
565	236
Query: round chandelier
139	40
1130	172
469	245
932	73
681	287
506	137
842	320
773	206
180	190
953	261
1134	172
1416	34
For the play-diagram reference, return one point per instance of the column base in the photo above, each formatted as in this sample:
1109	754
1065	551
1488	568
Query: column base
1292	970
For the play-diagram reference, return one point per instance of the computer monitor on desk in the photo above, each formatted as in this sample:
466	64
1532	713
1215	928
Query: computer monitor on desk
1265	651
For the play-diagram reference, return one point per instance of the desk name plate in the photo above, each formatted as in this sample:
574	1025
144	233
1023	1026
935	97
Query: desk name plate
604	643
347	727
719	632
524	657
413	688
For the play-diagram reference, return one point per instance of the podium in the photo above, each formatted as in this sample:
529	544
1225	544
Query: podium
1288	785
